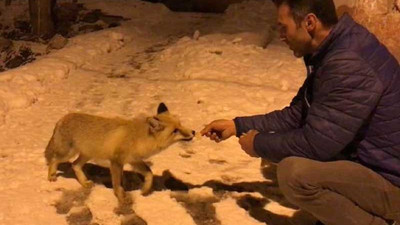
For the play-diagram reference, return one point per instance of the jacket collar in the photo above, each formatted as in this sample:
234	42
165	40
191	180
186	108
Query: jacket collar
339	30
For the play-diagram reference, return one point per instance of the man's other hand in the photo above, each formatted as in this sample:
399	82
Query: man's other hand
246	141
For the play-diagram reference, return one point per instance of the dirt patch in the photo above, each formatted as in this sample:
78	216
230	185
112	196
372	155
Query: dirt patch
81	216
72	203
201	210
255	207
70	199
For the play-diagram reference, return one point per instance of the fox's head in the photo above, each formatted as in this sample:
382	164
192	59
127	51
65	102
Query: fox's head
167	128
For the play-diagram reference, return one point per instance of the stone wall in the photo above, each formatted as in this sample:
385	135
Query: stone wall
381	17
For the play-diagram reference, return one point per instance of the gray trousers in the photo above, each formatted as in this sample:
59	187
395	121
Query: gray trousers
340	192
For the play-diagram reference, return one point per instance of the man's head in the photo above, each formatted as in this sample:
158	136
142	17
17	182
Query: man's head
304	24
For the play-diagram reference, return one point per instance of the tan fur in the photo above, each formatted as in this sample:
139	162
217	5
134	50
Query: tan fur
118	140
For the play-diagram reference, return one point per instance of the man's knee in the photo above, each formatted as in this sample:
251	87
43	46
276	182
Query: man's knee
294	174
292	169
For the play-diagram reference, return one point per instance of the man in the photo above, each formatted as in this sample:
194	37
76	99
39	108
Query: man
338	143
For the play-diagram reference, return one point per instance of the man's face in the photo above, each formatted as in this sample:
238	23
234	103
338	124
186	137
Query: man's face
295	36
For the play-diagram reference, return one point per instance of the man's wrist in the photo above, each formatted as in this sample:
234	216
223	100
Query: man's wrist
237	130
256	151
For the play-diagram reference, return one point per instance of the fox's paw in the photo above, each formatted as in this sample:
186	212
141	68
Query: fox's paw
128	200
146	191
123	209
88	184
52	177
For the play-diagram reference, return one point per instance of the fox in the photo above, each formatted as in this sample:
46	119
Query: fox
120	141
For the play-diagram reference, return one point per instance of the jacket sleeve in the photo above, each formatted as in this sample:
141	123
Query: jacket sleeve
348	92
277	121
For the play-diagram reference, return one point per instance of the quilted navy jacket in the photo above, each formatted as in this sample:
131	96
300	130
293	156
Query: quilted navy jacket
349	106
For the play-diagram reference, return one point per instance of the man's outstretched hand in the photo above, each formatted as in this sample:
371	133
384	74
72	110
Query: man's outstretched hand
219	130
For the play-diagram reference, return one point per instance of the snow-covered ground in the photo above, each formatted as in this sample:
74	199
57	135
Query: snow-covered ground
203	66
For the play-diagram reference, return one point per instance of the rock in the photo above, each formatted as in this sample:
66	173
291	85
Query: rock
68	12
57	42
5	44
208	6
23	26
91	17
110	19
397	5
26	53
178	5
15	62
196	35
113	25
14	58
375	7
90	28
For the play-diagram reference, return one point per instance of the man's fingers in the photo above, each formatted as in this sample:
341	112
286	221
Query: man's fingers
206	130
207	134
214	131
214	137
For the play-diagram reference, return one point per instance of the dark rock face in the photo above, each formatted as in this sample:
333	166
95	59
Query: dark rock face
196	5
205	6
70	19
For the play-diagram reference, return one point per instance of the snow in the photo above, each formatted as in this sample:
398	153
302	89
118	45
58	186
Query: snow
154	208
203	66
229	214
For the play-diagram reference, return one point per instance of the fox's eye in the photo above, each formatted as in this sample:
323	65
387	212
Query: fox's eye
176	130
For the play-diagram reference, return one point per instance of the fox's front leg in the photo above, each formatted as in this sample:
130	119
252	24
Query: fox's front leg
145	170
52	173
116	170
77	167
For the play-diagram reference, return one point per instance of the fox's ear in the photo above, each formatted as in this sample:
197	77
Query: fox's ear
154	125
162	108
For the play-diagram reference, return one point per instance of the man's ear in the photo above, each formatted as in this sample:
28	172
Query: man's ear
154	125
310	21
162	108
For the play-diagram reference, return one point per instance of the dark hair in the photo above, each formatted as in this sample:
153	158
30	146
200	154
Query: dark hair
324	9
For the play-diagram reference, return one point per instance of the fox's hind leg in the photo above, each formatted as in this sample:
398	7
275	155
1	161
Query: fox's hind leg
116	170
145	170
77	166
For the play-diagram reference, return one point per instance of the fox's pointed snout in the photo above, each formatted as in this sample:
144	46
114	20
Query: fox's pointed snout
189	138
